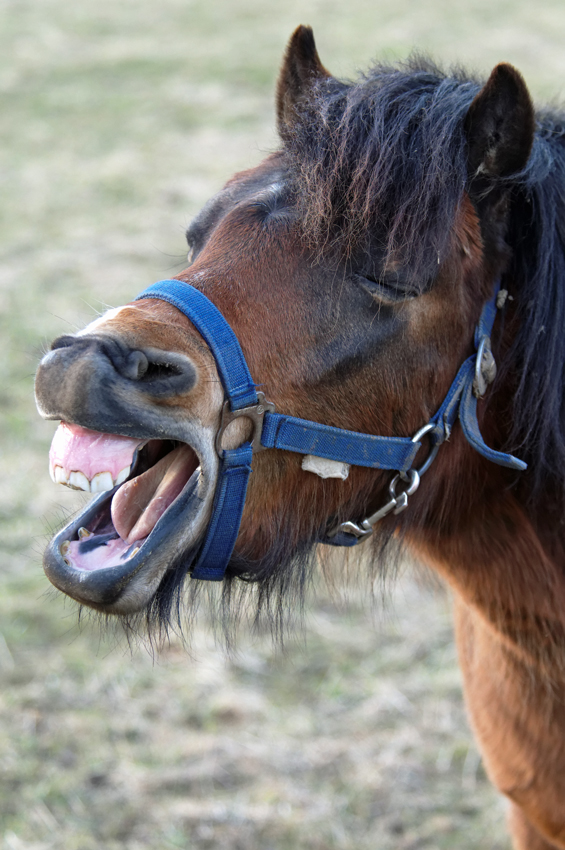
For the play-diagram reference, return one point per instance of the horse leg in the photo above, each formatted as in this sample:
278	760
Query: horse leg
524	836
519	721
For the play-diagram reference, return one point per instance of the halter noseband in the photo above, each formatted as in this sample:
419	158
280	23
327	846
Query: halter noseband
277	431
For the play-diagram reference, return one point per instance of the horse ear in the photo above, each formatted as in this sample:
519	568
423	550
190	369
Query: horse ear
500	125
300	70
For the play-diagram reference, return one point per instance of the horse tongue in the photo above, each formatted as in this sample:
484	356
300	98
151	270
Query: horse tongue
139	503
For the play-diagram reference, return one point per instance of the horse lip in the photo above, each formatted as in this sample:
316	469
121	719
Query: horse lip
99	589
129	587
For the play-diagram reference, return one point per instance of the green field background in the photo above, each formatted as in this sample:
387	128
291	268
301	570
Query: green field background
118	119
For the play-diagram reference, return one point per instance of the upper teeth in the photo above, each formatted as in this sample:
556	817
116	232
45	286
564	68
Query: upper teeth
101	482
77	480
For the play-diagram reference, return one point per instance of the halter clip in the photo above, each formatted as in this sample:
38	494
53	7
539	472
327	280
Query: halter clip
396	504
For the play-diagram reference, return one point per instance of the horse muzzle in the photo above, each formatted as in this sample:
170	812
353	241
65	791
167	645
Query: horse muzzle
99	378
153	465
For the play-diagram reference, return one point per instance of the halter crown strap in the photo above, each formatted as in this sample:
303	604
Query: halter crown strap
310	438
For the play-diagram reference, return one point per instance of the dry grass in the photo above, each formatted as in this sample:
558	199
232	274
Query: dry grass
118	120
355	734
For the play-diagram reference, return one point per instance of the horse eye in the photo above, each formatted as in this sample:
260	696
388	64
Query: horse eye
389	287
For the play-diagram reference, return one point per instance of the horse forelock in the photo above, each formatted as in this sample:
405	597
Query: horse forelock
386	157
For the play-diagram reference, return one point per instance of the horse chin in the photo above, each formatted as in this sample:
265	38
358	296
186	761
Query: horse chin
118	570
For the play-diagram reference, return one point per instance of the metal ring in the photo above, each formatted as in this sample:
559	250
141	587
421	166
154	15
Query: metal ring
425	429
255	413
413	485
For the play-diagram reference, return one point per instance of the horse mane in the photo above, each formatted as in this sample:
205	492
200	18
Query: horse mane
386	156
537	273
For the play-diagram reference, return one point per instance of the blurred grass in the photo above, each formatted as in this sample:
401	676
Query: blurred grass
118	120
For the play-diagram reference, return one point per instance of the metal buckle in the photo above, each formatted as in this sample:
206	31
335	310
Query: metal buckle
485	367
255	413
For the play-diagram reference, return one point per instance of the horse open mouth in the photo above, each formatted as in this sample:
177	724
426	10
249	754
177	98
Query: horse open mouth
150	496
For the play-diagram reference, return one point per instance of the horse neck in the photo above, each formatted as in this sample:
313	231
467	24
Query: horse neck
476	524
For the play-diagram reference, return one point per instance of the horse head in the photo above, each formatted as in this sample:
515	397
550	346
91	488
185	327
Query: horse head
352	265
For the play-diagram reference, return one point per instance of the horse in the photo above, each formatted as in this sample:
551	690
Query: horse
367	345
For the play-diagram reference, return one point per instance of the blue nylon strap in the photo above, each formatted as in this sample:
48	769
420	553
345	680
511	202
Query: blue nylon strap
342	538
486	319
445	417
208	320
229	500
470	425
235	466
311	438
461	401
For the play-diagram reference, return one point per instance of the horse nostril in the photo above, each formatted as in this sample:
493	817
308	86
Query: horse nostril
135	366
158	372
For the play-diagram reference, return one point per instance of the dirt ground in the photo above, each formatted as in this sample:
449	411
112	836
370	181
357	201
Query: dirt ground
118	120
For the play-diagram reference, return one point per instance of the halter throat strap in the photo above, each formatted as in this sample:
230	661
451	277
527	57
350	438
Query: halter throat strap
289	433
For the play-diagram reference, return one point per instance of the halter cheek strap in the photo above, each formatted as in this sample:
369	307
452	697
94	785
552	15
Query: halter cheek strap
275	430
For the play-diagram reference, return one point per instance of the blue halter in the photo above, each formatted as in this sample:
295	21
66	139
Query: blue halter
278	431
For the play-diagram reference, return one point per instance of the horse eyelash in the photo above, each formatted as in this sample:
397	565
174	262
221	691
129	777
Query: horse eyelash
381	289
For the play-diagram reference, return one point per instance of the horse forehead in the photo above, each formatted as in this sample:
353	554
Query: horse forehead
269	189
273	190
272	170
265	182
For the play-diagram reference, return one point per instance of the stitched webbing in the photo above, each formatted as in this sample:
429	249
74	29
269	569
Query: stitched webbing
224	344
311	438
223	529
